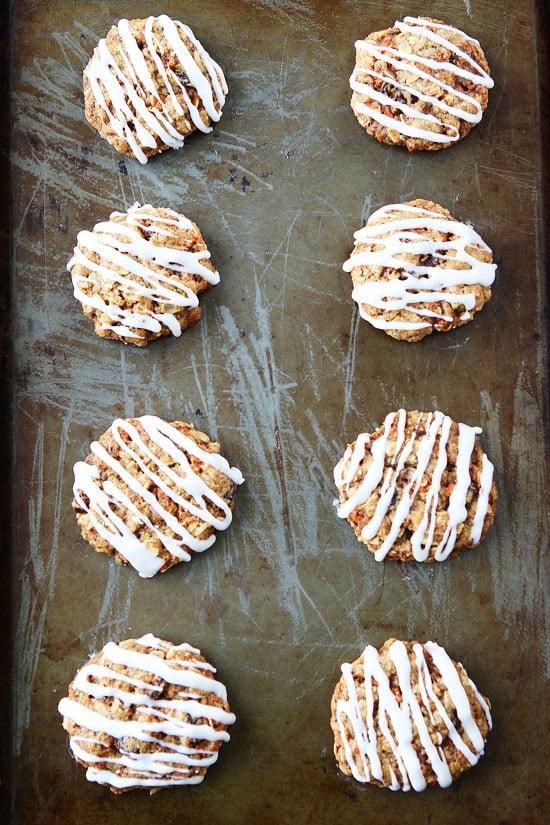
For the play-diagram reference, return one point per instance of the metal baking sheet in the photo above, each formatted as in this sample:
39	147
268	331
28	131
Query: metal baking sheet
283	373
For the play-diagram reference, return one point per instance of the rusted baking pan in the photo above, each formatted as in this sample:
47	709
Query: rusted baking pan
283	372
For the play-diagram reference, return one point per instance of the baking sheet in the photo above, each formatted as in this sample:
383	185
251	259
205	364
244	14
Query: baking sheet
283	373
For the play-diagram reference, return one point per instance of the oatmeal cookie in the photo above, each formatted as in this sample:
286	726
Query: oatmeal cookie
421	84
407	716
416	270
152	494
420	488
146	713
149	84
139	274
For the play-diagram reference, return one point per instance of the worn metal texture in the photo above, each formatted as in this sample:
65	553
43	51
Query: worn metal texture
284	374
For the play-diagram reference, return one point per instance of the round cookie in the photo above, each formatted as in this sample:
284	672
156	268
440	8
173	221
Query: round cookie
416	270
153	493
149	84
420	488
407	716
139	274
421	84
146	713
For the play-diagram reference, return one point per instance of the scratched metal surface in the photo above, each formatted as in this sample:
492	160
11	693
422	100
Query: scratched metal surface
284	374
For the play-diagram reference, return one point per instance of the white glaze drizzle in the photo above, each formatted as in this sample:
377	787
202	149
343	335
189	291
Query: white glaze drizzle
123	245
158	721
394	720
437	427
101	501
121	94
404	61
417	283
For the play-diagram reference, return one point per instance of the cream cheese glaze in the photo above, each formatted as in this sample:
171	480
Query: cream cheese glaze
113	246
152	719
121	93
397	230
421	68
102	500
398	500
394	721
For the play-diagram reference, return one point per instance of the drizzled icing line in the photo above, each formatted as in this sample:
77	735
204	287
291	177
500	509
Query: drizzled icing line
412	64
121	94
101	501
394	721
152	720
112	244
399	502
398	230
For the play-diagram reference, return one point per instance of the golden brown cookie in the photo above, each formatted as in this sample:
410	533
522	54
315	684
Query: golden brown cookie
407	716
139	274
146	713
153	493
421	84
149	84
416	270
420	488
